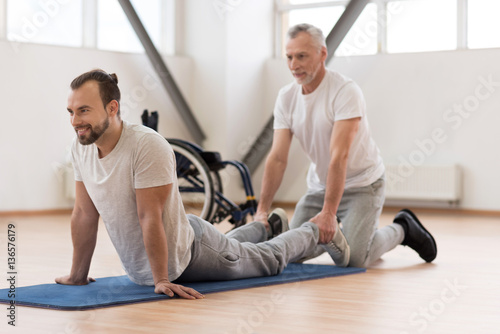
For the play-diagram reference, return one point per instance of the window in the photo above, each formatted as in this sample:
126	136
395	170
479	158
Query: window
3	16
114	31
483	24
421	25
306	2
47	22
322	17
398	26
361	39
90	23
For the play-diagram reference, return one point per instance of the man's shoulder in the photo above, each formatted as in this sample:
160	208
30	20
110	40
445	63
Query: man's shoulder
287	92
291	87
143	138
78	149
338	79
137	130
140	132
340	84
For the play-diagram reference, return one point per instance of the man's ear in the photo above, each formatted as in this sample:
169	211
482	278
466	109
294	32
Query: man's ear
324	53
113	107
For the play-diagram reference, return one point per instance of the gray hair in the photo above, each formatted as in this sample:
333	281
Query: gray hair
314	32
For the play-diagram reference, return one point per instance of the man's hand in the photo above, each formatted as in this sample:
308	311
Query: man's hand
170	289
327	224
67	280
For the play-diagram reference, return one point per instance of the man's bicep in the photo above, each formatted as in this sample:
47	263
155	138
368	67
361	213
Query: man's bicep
349	103
151	201
343	135
282	139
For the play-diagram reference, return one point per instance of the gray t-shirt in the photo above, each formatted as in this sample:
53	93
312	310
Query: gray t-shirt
141	159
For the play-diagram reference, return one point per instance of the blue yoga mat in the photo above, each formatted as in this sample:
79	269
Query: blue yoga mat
119	290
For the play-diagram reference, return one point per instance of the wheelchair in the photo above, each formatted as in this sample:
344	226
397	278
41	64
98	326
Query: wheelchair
201	188
200	184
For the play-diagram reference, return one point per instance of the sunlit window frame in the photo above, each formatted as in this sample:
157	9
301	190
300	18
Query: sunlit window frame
282	7
3	20
169	31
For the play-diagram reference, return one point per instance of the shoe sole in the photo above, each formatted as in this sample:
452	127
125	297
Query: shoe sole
408	211
283	217
347	249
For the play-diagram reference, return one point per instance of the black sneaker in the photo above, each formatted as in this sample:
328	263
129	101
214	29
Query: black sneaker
416	236
278	221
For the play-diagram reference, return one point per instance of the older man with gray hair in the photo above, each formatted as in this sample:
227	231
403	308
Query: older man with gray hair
326	112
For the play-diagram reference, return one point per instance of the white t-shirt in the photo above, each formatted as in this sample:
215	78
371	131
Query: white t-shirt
141	159
311	117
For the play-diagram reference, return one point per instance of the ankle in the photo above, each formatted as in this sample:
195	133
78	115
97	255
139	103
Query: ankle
268	227
403	225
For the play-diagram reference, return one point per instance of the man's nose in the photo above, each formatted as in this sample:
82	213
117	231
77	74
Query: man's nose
75	120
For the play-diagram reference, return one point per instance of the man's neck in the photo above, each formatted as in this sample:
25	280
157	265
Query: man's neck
107	142
311	87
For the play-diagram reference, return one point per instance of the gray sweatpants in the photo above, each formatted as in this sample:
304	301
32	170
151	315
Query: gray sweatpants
359	211
244	252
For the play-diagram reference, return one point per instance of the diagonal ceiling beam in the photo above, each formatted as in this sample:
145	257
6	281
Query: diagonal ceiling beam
262	144
161	69
343	25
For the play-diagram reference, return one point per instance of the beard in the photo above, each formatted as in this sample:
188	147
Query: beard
95	133
309	77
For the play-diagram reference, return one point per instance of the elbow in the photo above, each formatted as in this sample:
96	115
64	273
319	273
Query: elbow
339	158
149	218
276	167
276	162
80	214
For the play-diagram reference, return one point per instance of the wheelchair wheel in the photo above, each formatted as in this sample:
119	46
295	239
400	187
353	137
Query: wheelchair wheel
195	181
217	182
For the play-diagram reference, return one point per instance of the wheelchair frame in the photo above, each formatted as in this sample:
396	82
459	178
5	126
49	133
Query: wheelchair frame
198	173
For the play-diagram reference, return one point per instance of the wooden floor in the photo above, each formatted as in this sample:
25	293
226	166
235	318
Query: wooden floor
458	293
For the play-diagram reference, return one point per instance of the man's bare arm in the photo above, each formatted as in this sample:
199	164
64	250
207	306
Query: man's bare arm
276	163
150	205
84	224
340	143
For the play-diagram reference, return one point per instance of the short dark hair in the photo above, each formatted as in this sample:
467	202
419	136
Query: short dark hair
108	85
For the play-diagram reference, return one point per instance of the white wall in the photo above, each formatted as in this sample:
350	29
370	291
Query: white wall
236	82
204	41
230	81
35	135
250	45
221	77
411	95
230	43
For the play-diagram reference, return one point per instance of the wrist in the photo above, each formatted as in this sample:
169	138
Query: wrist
329	213
261	215
162	281
70	280
77	278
